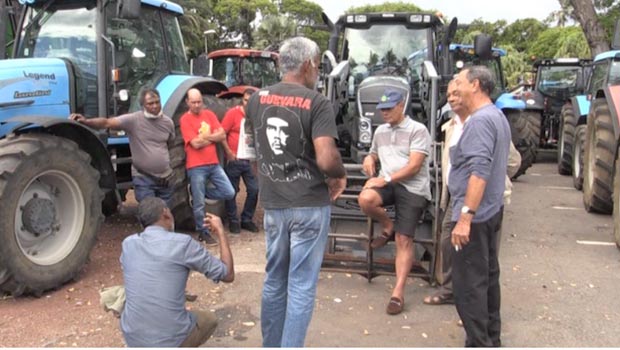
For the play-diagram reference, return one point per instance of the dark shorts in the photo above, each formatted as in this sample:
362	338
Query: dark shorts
409	207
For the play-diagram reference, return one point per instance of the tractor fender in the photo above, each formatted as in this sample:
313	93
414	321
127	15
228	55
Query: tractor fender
174	88
581	107
507	101
85	138
612	96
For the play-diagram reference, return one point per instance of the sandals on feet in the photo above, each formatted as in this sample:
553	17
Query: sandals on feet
395	306
381	240
439	299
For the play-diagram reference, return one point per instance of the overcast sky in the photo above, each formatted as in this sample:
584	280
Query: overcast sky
464	10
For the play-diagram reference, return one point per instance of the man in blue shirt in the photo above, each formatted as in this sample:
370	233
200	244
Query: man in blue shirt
476	183
156	264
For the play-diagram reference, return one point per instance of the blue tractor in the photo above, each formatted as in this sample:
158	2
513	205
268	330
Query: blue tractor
57	177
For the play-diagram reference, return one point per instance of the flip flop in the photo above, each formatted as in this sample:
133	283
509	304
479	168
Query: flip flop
381	240
395	306
439	299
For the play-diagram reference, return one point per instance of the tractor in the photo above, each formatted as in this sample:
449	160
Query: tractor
368	53
57	177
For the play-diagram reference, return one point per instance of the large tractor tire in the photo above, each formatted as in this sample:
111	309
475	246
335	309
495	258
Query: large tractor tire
523	127
598	159
616	198
50	210
577	161
566	143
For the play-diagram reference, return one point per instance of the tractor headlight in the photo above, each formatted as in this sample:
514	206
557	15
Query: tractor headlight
365	130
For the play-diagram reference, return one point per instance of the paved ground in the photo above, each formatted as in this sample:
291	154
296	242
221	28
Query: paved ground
556	291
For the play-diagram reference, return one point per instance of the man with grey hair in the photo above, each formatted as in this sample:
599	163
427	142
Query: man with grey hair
300	170
156	264
476	184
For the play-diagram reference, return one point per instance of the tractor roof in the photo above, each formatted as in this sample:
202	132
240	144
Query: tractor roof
607	55
408	19
243	53
558	62
163	4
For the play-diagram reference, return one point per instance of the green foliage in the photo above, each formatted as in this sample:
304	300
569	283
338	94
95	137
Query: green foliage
560	42
516	64
273	30
386	7
521	33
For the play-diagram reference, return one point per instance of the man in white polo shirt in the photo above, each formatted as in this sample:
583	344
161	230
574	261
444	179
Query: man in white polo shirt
402	146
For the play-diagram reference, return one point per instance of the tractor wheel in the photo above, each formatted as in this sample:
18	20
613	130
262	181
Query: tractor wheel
523	126
616	198
577	161
181	209
598	159
50	206
567	140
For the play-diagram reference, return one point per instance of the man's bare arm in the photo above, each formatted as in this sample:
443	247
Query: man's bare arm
328	158
97	123
214	223
217	136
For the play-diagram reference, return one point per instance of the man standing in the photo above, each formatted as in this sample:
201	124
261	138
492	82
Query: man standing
476	184
156	264
453	130
297	199
149	132
402	146
201	131
237	168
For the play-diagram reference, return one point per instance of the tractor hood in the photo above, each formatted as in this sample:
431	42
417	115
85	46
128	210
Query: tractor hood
38	85
370	91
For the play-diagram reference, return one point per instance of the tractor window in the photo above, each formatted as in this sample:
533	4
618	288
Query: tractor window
614	74
175	49
555	80
599	73
62	32
383	49
139	52
8	39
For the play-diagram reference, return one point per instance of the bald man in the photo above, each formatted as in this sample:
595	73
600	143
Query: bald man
201	131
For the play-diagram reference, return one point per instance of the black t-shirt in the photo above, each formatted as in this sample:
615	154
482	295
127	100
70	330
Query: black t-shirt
285	118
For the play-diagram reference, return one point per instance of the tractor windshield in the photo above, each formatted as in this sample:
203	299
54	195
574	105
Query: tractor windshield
383	50
66	31
559	80
465	57
253	71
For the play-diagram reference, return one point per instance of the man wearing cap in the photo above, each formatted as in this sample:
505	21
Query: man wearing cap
401	146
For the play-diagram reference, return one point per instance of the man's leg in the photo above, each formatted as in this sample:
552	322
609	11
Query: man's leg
308	240
166	193
445	245
221	189
143	187
274	299
197	180
371	203
403	263
251	185
233	171
494	293
470	278
206	322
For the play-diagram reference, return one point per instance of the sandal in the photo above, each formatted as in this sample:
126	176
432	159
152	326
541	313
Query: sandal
439	299
381	240
395	306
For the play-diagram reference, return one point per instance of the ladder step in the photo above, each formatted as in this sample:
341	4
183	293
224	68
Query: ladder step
359	236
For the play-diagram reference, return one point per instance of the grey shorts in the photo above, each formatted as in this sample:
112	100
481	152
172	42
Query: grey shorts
409	207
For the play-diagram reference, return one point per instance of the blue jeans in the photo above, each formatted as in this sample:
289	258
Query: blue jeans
144	187
220	189
235	171
296	240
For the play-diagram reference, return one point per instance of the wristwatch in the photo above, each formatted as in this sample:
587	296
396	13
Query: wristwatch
466	210
387	179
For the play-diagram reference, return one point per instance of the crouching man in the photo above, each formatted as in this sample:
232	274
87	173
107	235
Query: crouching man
156	264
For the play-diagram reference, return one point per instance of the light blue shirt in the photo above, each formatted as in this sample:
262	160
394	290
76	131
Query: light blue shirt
156	264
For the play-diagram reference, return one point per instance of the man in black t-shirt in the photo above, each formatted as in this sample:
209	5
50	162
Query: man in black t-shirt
299	171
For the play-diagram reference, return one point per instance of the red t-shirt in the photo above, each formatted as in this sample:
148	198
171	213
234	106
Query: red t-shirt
190	126
232	125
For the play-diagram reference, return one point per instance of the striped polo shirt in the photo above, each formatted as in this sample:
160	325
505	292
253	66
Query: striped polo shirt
393	145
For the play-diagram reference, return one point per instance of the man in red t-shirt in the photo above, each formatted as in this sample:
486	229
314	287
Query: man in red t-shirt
237	168
201	131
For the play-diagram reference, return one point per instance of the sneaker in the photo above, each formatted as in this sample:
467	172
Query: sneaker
250	226
234	227
208	239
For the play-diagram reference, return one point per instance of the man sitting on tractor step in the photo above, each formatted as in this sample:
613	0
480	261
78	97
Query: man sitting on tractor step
402	146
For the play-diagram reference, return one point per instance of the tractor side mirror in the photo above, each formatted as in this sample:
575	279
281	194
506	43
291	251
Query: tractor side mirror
615	44
129	9
483	46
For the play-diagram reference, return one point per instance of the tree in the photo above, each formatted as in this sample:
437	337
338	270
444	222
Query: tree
386	7
467	32
559	42
273	30
521	33
585	14
309	22
235	17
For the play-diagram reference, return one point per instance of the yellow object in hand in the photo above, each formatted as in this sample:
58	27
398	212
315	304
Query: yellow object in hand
204	128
